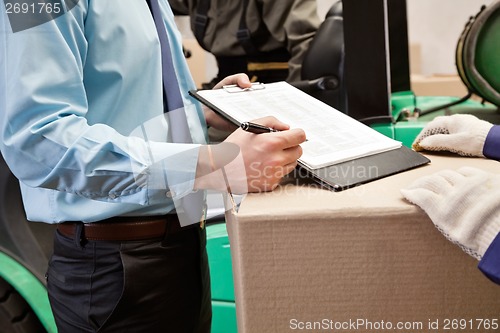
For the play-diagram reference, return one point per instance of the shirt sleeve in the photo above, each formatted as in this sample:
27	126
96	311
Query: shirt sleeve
490	263
49	141
491	147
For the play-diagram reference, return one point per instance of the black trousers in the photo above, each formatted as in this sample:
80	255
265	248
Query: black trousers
146	286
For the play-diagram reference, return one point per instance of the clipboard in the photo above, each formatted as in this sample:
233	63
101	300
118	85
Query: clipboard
345	175
232	89
340	175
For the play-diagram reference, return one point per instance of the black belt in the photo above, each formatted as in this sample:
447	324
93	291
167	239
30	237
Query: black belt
125	228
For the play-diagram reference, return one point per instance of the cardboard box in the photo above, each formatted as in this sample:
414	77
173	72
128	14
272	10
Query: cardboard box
415	57
362	260
438	85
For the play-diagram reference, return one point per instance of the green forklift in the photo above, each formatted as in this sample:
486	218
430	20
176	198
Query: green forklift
376	90
359	64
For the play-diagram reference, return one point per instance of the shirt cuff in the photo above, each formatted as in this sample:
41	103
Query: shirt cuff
172	170
490	264
491	147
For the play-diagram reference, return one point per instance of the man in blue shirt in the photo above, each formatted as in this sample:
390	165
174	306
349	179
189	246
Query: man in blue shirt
84	130
464	204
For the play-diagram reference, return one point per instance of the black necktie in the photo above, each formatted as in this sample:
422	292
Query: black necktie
192	207
175	106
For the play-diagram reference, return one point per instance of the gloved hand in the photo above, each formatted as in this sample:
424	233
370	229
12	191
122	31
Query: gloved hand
463	134
464	205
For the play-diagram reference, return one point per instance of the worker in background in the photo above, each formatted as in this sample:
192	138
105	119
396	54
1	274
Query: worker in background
463	204
265	39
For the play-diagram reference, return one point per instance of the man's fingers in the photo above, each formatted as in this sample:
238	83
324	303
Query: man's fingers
293	154
272	122
289	168
240	80
291	138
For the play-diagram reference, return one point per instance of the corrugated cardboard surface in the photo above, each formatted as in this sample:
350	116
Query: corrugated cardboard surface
304	256
438	85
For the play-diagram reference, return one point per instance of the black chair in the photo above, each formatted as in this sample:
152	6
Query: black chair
322	67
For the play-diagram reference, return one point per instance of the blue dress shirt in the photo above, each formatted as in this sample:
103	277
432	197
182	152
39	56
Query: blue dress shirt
82	114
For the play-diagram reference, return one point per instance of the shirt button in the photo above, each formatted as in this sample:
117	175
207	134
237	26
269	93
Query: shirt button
112	196
170	194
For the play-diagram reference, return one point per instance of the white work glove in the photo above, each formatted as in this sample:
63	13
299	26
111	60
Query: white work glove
464	205
463	134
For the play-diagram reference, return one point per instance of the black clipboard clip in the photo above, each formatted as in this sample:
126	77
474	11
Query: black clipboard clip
233	88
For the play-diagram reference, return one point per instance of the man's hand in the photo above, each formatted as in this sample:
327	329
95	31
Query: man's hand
212	118
460	133
247	162
464	205
241	80
268	157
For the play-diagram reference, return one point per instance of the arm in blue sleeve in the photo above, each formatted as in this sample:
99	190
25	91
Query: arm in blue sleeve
491	147
490	263
47	137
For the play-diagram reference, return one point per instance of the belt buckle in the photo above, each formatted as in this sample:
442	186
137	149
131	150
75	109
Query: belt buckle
203	217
